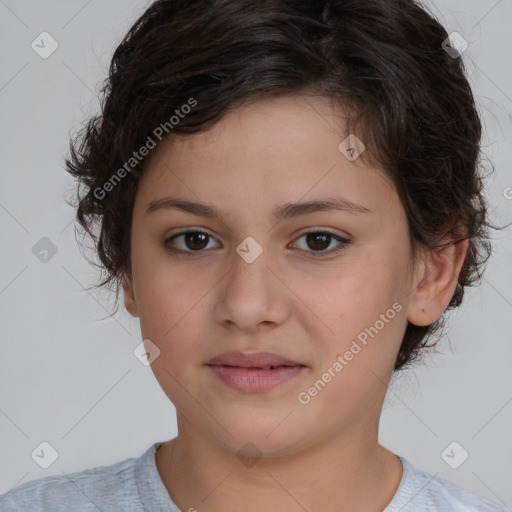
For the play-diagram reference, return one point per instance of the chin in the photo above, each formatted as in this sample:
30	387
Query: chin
258	440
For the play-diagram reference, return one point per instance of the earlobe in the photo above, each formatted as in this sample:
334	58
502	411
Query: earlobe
129	296
435	283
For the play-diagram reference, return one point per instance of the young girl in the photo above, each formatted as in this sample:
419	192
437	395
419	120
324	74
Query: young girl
288	195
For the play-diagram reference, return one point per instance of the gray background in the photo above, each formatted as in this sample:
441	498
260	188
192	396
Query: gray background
67	372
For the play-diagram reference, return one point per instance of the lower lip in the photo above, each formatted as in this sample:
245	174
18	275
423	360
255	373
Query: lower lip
253	380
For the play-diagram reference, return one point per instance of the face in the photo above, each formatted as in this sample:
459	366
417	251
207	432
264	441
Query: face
328	289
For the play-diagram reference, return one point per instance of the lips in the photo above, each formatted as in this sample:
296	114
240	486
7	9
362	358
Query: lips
254	373
265	360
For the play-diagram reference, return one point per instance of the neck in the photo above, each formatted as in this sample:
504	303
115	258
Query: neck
343	473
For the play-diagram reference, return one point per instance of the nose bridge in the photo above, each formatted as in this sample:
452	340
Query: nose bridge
251	293
250	264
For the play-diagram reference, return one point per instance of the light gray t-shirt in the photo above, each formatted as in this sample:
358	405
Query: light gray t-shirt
135	485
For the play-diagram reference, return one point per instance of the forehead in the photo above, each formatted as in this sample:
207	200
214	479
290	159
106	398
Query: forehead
266	152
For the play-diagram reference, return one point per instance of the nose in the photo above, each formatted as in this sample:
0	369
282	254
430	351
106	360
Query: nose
252	296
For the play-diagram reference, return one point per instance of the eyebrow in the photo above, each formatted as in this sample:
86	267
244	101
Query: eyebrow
280	212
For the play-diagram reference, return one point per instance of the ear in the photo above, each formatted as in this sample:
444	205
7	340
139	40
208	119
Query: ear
129	295
435	282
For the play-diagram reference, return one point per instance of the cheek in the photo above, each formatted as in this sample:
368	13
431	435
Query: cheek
173	315
167	293
365	311
354	297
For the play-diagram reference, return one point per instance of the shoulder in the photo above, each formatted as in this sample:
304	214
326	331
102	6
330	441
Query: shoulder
105	488
421	492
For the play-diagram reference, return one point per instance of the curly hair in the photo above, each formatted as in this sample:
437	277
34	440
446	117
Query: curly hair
387	60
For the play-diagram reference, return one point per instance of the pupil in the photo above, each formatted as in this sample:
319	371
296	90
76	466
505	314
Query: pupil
195	238
318	237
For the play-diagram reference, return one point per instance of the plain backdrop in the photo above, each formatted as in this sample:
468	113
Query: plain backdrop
68	375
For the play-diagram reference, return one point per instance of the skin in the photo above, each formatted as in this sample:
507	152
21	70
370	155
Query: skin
322	456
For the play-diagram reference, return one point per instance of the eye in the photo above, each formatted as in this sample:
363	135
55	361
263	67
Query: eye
194	241
316	242
319	241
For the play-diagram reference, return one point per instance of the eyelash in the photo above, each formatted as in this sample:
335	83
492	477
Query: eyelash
343	242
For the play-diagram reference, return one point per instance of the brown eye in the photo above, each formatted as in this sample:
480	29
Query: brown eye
321	243
189	241
195	240
318	241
